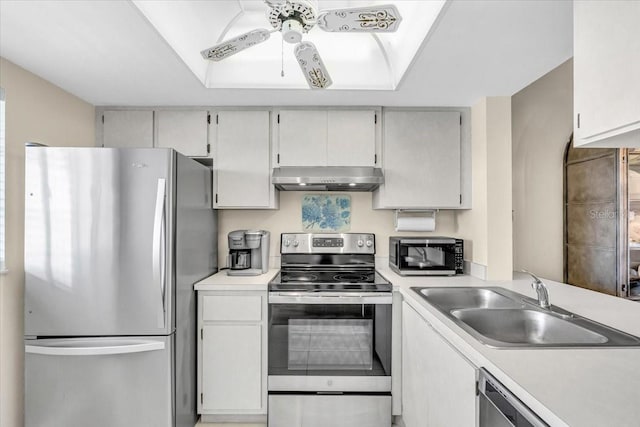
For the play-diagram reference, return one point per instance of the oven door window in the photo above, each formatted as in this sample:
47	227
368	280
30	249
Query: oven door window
330	339
427	257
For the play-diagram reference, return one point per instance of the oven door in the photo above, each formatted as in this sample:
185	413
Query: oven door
329	342
426	256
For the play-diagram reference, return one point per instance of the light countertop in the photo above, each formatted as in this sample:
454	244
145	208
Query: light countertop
223	282
566	387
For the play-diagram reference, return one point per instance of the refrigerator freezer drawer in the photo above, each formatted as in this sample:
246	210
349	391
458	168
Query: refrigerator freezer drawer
106	382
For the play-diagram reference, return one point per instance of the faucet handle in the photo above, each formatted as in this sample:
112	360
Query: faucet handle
535	278
541	290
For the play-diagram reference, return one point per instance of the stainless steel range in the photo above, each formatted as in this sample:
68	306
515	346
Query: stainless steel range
329	334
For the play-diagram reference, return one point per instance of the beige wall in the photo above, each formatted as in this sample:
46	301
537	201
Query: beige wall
542	124
499	188
35	111
488	223
363	219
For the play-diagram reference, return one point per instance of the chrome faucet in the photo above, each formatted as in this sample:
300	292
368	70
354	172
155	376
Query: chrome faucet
541	290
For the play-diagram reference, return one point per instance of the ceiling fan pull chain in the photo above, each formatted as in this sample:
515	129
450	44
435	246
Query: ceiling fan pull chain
282	52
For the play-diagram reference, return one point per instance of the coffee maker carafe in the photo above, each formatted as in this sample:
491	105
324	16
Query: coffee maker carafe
248	252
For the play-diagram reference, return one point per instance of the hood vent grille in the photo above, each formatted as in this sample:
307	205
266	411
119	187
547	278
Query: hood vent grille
327	178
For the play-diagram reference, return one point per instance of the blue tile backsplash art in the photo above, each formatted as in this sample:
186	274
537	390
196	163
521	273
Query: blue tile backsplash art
326	213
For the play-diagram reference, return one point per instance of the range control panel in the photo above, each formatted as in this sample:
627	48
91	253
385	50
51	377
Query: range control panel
310	243
327	242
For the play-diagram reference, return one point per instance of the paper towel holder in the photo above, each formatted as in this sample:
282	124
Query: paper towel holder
414	213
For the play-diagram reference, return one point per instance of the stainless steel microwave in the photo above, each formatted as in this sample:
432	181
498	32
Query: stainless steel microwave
425	256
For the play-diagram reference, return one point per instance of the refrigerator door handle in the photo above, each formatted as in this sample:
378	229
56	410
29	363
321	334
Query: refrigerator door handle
159	239
117	347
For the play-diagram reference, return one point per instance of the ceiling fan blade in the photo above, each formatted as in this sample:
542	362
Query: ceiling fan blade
383	18
312	66
275	3
232	46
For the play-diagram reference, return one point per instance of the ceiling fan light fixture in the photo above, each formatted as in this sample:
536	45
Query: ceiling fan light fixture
292	31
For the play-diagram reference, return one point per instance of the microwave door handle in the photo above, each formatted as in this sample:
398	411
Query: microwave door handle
158	250
425	242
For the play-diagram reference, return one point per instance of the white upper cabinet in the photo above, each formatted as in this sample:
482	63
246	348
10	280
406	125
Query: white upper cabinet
302	138
127	128
421	160
337	137
241	159
185	131
351	137
607	73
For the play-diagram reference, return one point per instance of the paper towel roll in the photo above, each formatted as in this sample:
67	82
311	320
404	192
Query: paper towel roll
415	220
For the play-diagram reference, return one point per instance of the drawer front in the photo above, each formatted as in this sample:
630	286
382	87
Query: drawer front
232	307
286	410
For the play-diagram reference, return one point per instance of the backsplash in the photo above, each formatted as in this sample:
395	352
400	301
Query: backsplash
364	219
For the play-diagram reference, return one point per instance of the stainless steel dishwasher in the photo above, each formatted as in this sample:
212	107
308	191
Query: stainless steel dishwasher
498	407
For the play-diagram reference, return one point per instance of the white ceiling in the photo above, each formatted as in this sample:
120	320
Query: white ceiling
191	27
107	53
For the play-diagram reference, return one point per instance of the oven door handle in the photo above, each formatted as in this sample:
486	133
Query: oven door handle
330	298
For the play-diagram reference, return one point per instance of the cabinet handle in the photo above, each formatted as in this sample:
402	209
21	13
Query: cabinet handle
578	120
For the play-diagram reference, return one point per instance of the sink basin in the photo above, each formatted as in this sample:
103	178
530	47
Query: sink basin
498	317
522	326
451	298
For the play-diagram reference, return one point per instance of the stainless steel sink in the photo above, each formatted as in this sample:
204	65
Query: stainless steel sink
498	317
452	298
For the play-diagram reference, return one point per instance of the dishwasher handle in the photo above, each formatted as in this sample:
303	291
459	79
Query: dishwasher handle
500	397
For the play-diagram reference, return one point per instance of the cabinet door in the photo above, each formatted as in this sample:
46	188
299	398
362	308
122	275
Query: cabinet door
184	131
421	160
302	139
232	367
414	368
128	129
351	139
440	381
606	69
241	161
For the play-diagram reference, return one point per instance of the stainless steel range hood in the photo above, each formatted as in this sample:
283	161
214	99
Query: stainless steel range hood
327	178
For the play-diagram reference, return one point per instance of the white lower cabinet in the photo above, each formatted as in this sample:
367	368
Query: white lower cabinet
232	370
438	383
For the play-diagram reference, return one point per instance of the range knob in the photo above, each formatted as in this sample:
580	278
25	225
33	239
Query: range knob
369	243
287	242
360	243
295	243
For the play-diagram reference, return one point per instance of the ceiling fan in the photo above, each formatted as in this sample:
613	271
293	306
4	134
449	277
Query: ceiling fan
293	18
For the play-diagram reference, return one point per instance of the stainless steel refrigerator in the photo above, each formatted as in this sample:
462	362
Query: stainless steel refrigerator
114	241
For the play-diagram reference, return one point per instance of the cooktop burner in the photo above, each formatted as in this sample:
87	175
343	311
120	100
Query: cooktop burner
295	276
318	281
